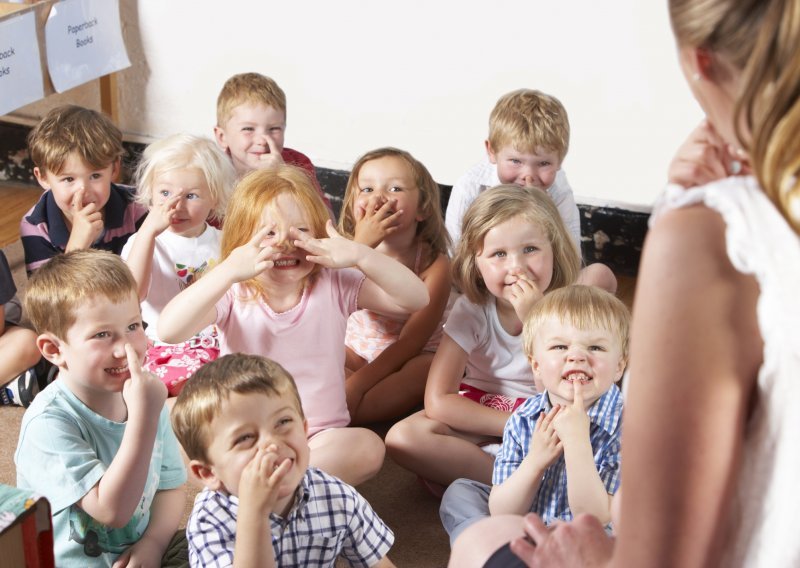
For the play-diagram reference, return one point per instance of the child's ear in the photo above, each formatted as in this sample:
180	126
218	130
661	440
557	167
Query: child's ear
205	474
41	178
219	134
50	347
621	365
534	364
490	152
116	170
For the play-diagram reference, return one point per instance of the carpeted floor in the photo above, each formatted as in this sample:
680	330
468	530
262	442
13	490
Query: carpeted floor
394	493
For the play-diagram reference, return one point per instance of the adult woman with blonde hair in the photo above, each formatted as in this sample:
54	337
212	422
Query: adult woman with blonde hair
709	453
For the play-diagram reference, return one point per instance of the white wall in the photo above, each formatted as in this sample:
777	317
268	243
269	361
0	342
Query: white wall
419	75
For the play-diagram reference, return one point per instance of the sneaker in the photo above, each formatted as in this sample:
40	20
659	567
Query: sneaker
20	391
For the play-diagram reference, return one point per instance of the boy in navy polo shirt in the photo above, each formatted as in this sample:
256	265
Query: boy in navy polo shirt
76	153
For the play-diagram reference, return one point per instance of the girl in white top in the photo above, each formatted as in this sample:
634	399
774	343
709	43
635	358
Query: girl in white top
185	180
514	247
709	452
393	205
284	291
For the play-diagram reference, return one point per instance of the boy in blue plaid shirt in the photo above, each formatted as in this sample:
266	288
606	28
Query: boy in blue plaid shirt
242	426
560	452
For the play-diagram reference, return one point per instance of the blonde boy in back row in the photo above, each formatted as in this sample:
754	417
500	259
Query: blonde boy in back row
528	141
97	441
251	125
242	426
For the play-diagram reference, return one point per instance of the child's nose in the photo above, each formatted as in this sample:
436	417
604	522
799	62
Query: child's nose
575	354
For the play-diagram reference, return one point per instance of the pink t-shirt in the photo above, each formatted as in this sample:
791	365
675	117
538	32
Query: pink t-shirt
308	340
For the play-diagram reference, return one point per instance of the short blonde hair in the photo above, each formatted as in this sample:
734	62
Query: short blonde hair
183	151
583	307
252	88
58	289
71	129
526	120
256	191
496	206
431	229
201	399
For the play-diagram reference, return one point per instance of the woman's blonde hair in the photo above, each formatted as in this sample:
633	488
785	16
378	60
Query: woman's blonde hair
257	191
496	206
431	229
184	151
761	39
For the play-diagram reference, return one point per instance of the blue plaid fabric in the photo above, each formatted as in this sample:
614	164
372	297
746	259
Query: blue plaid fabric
605	429
329	518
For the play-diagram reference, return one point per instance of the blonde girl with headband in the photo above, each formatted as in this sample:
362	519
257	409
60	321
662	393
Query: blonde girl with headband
514	248
184	180
285	286
393	205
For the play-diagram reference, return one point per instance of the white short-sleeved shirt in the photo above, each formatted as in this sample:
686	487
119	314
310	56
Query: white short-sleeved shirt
64	449
177	262
759	241
483	176
307	340
496	362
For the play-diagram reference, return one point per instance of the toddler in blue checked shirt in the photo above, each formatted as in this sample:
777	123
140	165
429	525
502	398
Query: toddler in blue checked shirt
560	452
242	426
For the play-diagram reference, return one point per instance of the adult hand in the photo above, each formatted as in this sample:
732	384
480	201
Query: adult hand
87	222
705	157
582	542
332	252
375	220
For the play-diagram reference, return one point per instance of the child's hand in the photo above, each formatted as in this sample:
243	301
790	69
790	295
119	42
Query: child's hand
87	223
144	552
144	394
572	422
272	158
545	444
333	252
251	259
705	157
523	294
375	220
161	214
260	481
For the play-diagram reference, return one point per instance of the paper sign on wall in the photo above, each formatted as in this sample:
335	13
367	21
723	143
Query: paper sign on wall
84	42
20	66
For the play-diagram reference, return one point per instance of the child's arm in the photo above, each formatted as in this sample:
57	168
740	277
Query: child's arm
258	494
165	515
193	309
390	288
113	500
443	403
516	494
140	257
87	223
414	335
585	490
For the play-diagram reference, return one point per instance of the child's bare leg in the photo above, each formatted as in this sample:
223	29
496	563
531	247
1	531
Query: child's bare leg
393	396
480	540
598	275
352	361
18	352
354	455
437	452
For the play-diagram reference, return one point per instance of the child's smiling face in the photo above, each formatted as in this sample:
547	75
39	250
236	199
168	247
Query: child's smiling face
564	354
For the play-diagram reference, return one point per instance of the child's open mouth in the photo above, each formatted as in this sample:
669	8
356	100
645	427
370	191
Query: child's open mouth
583	378
117	370
286	263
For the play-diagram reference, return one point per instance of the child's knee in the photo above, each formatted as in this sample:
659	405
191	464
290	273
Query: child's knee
599	275
401	437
